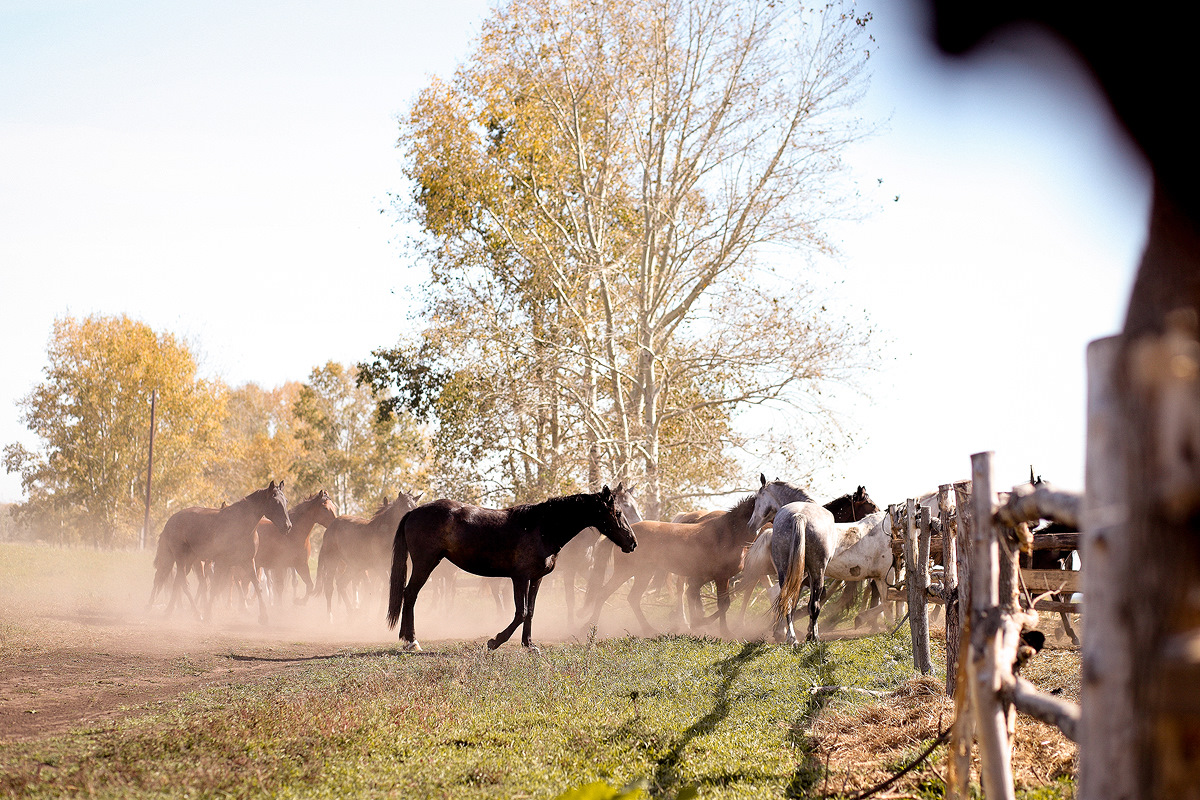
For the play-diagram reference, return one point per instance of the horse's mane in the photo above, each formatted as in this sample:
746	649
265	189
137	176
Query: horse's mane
383	508
745	505
803	493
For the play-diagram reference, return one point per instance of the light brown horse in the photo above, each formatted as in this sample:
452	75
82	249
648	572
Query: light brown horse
278	551
700	552
359	550
221	537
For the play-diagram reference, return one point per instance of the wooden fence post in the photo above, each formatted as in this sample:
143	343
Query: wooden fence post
1107	731
962	737
949	587
918	581
991	718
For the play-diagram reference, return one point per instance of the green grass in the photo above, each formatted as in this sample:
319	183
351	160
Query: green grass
670	717
724	718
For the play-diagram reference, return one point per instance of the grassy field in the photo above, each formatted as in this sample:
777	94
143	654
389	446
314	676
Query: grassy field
678	716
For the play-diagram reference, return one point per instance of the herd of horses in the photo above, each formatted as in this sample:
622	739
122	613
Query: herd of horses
778	535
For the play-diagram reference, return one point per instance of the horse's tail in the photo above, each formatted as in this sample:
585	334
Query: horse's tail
325	562
793	577
164	558
399	574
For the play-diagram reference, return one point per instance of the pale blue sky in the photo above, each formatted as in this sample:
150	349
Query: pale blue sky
217	170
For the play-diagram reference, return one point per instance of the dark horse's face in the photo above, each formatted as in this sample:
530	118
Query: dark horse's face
862	503
613	523
276	507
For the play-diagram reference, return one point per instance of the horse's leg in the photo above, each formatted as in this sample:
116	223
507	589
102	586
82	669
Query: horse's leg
621	573
422	568
258	590
602	553
690	602
1065	619
748	588
527	629
520	595
640	583
568	579
816	594
723	605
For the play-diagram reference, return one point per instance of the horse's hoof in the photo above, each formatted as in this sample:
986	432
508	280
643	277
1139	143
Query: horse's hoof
492	644
410	647
533	649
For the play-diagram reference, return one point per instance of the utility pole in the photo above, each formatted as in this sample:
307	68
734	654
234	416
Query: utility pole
149	469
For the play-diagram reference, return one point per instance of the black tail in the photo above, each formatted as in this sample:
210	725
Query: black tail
164	559
399	574
325	568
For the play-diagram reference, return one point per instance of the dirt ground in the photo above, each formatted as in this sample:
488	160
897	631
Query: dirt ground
61	672
73	654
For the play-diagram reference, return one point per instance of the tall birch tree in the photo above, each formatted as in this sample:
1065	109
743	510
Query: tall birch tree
598	185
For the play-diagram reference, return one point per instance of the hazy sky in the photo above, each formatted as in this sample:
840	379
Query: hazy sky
218	170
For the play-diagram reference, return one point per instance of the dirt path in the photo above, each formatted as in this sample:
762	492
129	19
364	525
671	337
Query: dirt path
58	673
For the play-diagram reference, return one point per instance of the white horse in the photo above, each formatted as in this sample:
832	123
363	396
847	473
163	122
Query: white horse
863	553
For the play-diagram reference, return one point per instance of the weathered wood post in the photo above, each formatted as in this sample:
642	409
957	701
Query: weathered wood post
963	736
918	583
1107	730
991	717
949	587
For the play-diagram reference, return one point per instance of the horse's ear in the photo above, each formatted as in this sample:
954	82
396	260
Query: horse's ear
620	487
762	478
272	486
606	493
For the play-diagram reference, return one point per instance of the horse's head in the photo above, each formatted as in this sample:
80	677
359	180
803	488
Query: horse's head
765	505
276	508
326	509
623	499
612	523
396	509
862	504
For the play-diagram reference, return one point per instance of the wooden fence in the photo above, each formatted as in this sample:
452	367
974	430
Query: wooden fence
978	543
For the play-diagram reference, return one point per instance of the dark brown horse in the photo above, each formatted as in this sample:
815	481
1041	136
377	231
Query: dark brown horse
221	537
356	550
278	551
577	556
521	543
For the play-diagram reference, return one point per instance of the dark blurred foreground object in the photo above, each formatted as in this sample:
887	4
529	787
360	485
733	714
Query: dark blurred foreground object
1140	729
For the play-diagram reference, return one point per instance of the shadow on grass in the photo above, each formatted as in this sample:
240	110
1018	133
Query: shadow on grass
809	770
666	772
340	654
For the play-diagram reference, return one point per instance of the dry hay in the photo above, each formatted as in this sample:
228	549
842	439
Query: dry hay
861	746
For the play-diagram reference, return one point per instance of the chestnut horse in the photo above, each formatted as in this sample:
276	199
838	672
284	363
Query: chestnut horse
278	551
700	552
521	543
222	537
358	550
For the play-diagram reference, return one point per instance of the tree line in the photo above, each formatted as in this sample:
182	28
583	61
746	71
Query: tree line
86	481
617	204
